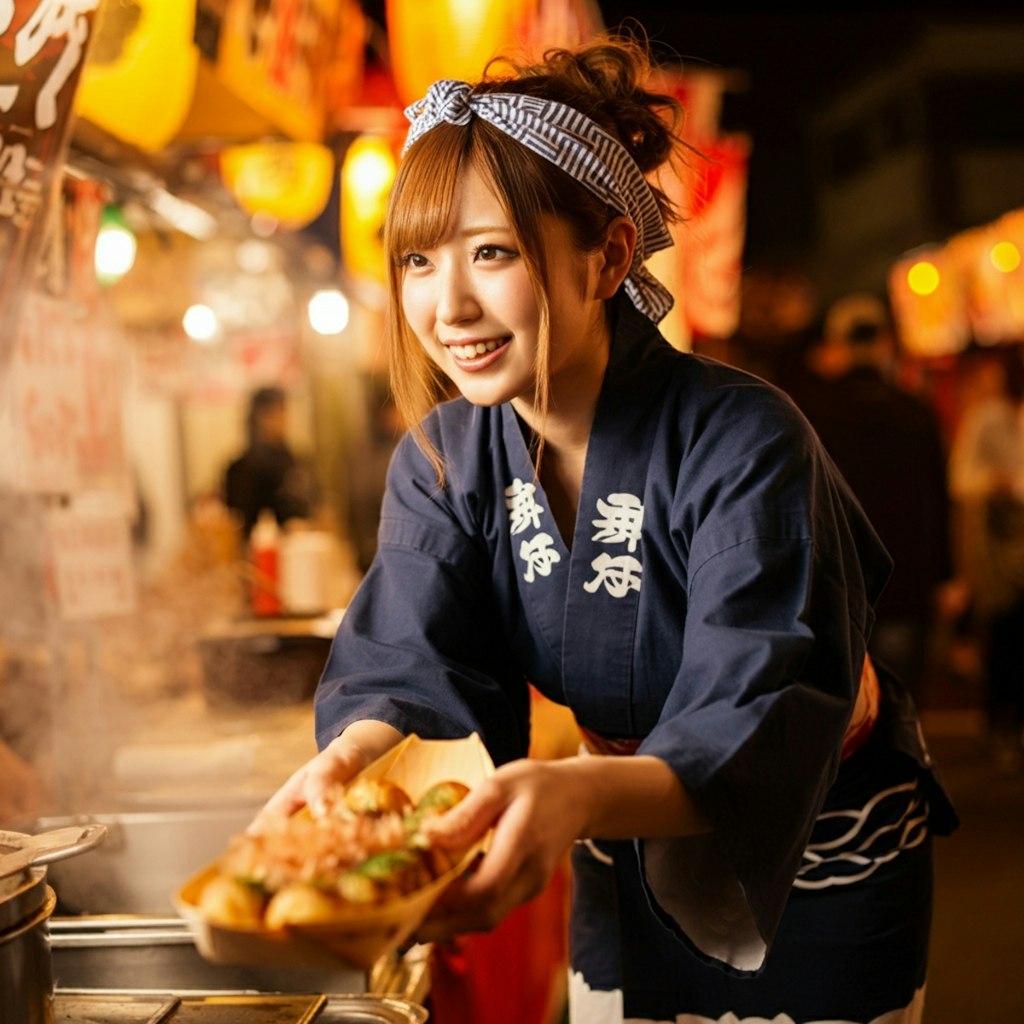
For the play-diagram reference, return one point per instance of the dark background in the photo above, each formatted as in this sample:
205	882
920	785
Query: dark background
789	62
793	61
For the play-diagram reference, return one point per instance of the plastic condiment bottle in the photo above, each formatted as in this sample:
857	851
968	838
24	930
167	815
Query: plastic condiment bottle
264	553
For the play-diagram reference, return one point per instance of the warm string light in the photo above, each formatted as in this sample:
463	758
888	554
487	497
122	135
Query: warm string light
923	278
1005	257
328	311
201	323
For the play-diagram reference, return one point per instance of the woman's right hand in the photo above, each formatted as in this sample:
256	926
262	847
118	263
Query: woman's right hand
344	757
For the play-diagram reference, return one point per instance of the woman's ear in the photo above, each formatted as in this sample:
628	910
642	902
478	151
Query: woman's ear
616	256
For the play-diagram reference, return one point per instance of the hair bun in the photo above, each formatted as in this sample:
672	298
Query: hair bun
611	80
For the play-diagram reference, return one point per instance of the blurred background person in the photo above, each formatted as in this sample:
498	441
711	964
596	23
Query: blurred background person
888	444
986	471
777	322
268	474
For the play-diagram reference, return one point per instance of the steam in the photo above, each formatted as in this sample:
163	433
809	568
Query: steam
117	712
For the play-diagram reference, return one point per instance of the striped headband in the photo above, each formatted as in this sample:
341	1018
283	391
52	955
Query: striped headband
571	141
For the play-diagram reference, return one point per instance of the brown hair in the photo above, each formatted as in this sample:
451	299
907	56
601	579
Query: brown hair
606	80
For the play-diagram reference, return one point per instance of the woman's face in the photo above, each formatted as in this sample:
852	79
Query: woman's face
471	303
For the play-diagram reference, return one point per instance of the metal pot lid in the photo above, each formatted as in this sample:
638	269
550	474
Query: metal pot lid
19	850
21	896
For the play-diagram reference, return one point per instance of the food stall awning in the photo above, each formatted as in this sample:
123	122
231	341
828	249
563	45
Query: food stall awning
163	71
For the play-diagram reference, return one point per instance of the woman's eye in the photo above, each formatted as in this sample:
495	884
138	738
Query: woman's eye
490	253
413	259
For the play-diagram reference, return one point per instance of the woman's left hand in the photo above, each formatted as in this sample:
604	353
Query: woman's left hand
537	812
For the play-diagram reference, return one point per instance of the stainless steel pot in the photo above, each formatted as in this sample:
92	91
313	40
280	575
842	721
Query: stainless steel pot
26	904
26	978
115	919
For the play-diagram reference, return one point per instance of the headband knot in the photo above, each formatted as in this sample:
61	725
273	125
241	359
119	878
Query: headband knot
576	144
446	100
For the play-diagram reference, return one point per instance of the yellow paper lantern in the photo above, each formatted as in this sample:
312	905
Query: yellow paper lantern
139	80
290	182
366	176
432	39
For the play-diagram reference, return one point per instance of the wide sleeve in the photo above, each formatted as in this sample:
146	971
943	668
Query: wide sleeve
421	645
783	570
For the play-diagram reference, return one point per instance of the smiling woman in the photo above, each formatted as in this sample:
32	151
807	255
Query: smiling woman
575	248
652	539
472	303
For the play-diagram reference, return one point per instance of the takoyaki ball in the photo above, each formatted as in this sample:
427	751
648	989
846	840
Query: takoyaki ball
301	903
384	876
231	902
442	796
377	796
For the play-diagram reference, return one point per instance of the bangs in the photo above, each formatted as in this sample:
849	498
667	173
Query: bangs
423	194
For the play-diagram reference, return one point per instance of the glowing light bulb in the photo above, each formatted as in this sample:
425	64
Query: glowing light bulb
328	311
923	278
1005	256
200	323
116	247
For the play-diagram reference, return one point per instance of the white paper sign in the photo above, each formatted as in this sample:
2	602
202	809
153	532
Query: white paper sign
91	555
65	414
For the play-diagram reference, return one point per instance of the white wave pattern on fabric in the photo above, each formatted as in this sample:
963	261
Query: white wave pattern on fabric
865	846
576	144
591	1006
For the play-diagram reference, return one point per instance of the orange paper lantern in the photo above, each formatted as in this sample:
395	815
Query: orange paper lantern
288	181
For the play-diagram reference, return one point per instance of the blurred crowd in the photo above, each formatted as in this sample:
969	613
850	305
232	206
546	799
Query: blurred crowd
934	451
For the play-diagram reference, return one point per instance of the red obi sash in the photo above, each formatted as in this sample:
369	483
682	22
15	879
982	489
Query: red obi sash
862	721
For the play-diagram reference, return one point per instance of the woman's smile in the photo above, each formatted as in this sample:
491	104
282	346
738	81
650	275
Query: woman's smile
477	353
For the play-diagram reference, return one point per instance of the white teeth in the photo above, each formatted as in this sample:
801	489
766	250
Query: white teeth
469	351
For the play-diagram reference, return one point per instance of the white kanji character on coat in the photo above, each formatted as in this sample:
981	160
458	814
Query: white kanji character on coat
617	574
523	509
623	518
539	554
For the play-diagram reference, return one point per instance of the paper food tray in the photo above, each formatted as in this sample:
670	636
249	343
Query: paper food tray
364	934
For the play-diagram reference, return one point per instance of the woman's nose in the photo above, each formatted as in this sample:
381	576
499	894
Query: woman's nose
456	300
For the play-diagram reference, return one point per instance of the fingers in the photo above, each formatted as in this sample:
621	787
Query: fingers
346	755
310	784
467	821
286	801
470	908
510	873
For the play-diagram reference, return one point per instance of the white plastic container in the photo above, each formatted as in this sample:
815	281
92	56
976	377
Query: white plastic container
306	563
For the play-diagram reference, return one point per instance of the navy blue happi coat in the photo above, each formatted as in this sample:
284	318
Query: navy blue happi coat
714	605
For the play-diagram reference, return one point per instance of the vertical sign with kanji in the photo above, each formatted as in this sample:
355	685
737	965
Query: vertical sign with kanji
43	46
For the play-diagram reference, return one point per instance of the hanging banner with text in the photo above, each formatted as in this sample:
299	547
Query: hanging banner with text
43	45
284	61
